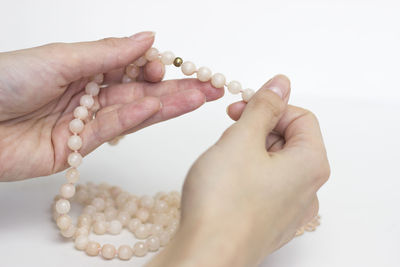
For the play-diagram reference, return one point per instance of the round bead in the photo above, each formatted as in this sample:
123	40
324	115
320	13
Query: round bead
76	126
132	71
115	227
92	248
147	202
153	243
152	54
124	217
98	78
178	62
125	252
81	112
89	210
141	232
81	231
234	87
108	251
164	238
63	206
74	159
69	232
140	249
160	206
74	142
188	68
72	175
81	242
110	213
140	62
204	74
156	229
84	220
64	221
100	228
82	196
67	190
98	203
133	224
130	207
92	89
86	101
167	58
247	94
143	214
99	217
218	80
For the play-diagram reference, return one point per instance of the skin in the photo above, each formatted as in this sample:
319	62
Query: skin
241	200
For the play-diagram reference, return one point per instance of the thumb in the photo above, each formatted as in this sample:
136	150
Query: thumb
73	61
265	108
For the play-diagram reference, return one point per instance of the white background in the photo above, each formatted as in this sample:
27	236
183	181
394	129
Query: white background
343	59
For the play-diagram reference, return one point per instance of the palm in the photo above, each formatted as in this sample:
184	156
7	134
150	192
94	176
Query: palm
38	95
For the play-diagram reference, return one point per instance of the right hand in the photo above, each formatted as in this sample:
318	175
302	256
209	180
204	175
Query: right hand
246	196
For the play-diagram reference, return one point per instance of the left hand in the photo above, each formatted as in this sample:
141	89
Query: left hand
40	87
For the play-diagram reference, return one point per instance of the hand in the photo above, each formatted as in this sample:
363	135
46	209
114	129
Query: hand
40	87
246	196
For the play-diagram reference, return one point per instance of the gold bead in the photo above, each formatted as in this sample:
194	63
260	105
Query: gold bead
178	62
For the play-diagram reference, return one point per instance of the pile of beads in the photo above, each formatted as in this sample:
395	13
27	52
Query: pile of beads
110	209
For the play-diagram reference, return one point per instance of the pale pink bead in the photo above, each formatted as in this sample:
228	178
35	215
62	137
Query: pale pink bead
74	159
143	214
115	227
92	89
188	68
74	142
204	74
133	224
130	207
132	71
110	213
147	202
99	217
164	238
69	232
115	191
108	251
125	252
153	243
81	242
67	190
98	203
86	101
124	217
142	232
127	79
156	229
121	199
162	219
81	231
76	126
64	221
140	249
81	112
167	57
247	94
218	80
234	87
109	201
100	228
85	220
152	54
160	206
92	248
140	62
82	196
72	175
99	78
89	210
63	206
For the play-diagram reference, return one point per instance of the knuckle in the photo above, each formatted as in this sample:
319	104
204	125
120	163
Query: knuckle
111	42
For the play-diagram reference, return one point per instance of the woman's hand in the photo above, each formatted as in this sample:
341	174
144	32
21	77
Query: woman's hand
40	87
246	196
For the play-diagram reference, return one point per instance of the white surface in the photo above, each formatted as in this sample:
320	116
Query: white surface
343	58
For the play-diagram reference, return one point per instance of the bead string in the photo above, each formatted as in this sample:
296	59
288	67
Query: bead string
109	209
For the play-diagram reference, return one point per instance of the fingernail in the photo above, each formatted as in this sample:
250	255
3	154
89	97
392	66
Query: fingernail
277	91
141	36
280	85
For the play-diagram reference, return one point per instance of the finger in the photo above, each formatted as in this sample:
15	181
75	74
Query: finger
174	105
114	120
76	60
264	110
153	71
311	212
125	93
275	142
